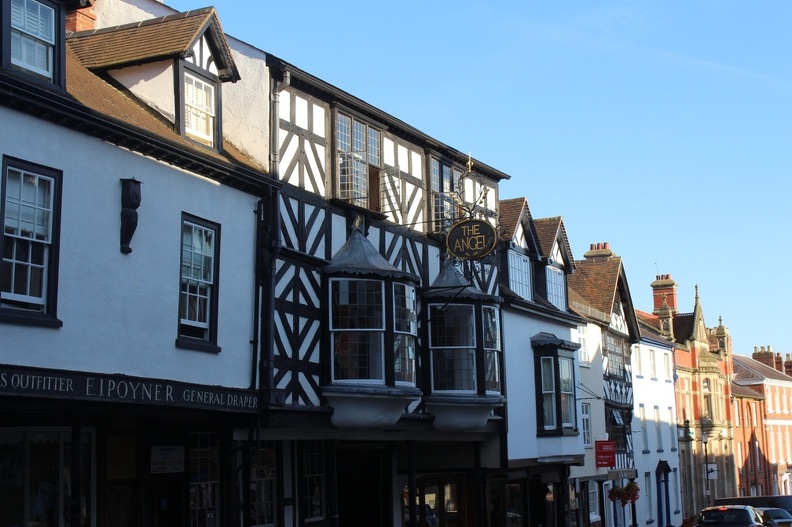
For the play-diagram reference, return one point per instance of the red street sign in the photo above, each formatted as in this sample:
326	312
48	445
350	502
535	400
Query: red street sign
605	453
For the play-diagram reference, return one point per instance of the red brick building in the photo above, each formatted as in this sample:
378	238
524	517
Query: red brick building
702	356
763	467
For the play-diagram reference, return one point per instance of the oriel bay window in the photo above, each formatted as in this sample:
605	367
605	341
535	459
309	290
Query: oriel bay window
358	329
555	382
372	331
464	335
464	352
452	339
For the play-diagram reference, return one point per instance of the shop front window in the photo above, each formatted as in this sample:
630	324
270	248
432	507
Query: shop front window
204	480
36	487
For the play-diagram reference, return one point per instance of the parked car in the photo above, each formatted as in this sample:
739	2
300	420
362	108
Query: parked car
779	501
774	516
729	516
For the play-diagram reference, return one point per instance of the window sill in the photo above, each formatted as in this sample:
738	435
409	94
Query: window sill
197	345
557	432
13	316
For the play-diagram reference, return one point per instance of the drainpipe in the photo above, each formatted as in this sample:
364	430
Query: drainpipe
277	87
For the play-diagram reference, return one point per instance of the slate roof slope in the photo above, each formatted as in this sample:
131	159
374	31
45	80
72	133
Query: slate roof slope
747	369
744	391
683	326
153	40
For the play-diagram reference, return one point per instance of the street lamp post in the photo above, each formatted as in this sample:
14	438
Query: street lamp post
704	440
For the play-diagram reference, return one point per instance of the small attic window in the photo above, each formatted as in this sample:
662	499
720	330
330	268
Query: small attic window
35	38
201	94
199	109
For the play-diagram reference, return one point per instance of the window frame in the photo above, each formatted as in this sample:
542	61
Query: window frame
436	312
492	349
553	390
585	424
209	342
520	274
186	70
556	286
57	47
337	331
443	179
47	315
313	473
405	327
362	189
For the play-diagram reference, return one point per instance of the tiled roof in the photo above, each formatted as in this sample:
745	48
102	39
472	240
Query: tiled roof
102	98
510	213
649	325
151	41
597	282
746	368
547	231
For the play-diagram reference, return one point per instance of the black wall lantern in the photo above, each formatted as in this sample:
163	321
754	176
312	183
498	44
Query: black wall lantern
130	201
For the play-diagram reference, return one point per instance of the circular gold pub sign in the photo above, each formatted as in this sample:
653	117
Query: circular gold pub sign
471	239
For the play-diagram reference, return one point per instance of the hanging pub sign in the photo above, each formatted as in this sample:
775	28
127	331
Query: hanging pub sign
471	239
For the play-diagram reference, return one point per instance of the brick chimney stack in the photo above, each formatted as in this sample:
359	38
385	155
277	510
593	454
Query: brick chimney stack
664	289
765	356
788	365
779	362
599	252
81	19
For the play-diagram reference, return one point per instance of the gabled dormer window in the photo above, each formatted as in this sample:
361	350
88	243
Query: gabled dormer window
556	280
555	381
200	105
520	274
33	38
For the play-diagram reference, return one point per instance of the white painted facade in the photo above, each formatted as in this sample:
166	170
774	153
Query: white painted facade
654	428
120	312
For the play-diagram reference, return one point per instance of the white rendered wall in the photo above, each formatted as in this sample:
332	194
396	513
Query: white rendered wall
519	371
246	108
152	84
111	13
652	390
591	377
120	312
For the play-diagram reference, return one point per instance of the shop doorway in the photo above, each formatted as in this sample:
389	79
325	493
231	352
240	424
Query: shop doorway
364	482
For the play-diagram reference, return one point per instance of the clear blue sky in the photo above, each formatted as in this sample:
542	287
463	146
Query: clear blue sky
661	127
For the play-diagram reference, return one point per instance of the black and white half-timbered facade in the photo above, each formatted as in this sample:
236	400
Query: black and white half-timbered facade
602	298
386	352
